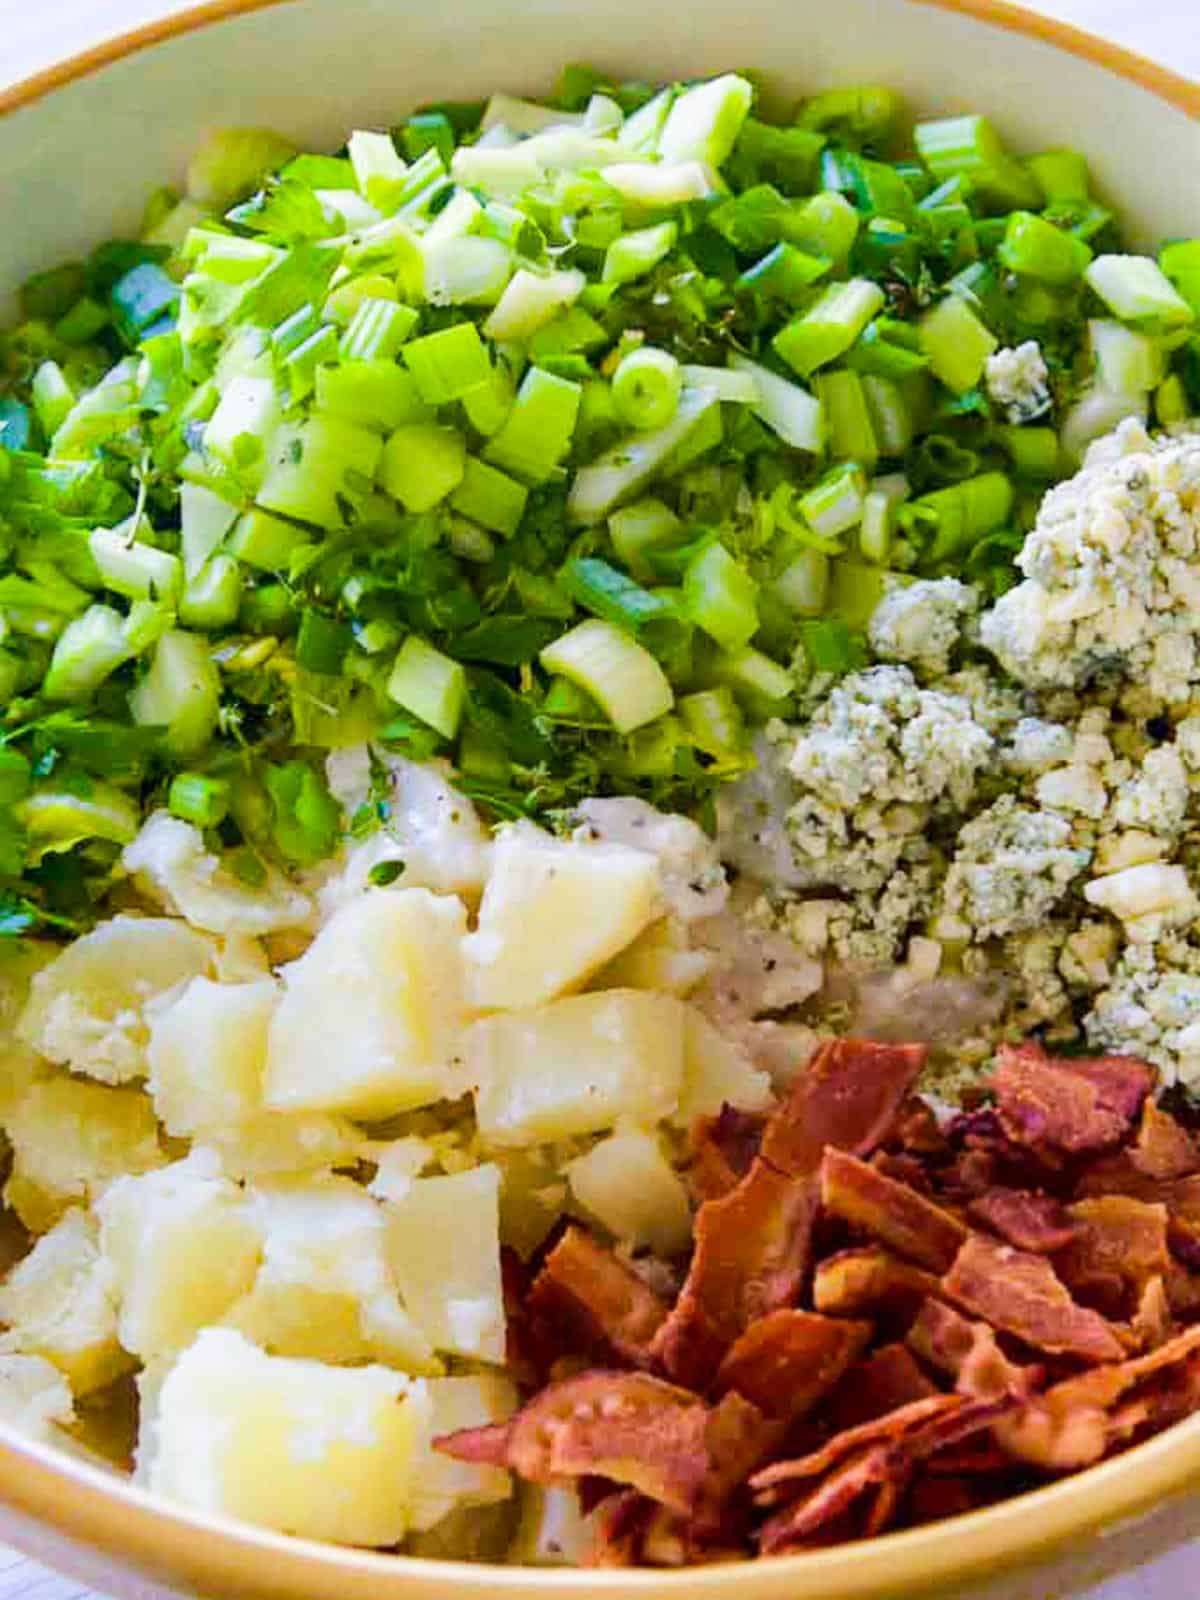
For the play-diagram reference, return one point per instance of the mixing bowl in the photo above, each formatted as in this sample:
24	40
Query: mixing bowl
82	145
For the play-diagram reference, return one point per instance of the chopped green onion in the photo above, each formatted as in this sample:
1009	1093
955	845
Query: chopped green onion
618	673
721	597
1034	452
951	520
430	685
828	328
646	388
784	273
610	594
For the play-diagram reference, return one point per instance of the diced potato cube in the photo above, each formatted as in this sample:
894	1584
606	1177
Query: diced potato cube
34	1398
60	1302
322	1452
283	1143
630	1187
325	1289
533	1195
171	864
553	912
659	959
208	1052
370	1012
69	1140
716	1072
87	1009
443	1239
575	1066
553	1531
182	1247
441	1484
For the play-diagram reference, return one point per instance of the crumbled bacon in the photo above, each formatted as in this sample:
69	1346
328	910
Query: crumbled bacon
846	1353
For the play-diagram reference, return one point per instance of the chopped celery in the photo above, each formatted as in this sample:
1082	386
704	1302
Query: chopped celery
213	596
537	432
205	519
197	797
787	409
828	328
137	570
52	396
1127	362
639	528
430	685
233	163
318	467
1137	290
376	330
58	817
803	585
448	364
721	597
956	343
633	255
971	148
180	693
848	419
422	463
834	504
375	394
264	541
1035	247
620	675
630	466
762	685
489	497
712	718
240	430
378	168
469	271
951	520
88	651
875	528
530	300
703	122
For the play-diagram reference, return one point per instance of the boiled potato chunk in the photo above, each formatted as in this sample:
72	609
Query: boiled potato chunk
325	1289
444	1246
170	862
60	1302
19	1063
87	1009
629	1186
282	1143
34	1398
552	1531
322	1452
441	1484
208	1051
369	1013
716	1072
660	958
182	1247
69	1140
553	912
575	1066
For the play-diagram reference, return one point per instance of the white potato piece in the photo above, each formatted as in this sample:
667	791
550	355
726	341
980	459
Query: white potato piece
717	1071
170	863
70	1139
34	1398
627	1184
694	884
575	1066
20	1064
370	1011
59	1302
553	912
322	1452
208	1053
443	1240
553	1531
660	959
272	1144
441	1484
87	1010
325	1289
182	1248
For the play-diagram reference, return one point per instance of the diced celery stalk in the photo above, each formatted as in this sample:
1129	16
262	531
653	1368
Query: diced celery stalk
1095	413
503	174
377	330
344	299
891	415
847	418
303	363
489	497
803	585
98	414
834	504
830	326
875	529
532	299
378	168
233	162
957	343
137	570
229	259
52	396
1034	452
825	225
622	472
970	147
647	187
1126	361
704	121
205	518
430	685
729	384
265	542
636	529
145	625
712	718
57	819
316	466
458	217
537	432
755	679
1060	174
487	406
422	463
173	228
787	409
374	394
633	255
180	693
721	597
641	129
240	430
1171	401
1036	248
469	543
855	590
448	364
471	271
212	598
197	797
1136	289
87	651
964	512
621	676
525	116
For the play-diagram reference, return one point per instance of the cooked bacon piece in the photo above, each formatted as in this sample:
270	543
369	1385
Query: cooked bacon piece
619	1530
1034	1222
771	1485
625	1426
869	1279
1021	1294
1153	1324
1067	1106
723	1149
933	1498
917	1130
750	1256
886	1380
1164	1148
1120	1244
866	1198
831	1498
968	1351
847	1097
789	1360
585	1299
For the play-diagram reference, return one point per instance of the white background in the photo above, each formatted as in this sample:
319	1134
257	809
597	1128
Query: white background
34	35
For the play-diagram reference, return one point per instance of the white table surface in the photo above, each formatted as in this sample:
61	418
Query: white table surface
36	35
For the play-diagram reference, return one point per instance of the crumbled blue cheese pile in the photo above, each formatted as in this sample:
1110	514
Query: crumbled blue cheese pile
1017	792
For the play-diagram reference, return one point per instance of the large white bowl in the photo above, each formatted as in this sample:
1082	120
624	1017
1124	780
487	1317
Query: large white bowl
82	145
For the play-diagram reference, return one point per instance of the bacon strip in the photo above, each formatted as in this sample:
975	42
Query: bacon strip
1034	1222
968	1352
1120	1244
913	1226
1022	1295
1071	1107
789	1360
1164	1148
723	1150
848	1097
854	1282
832	1498
885	1381
593	1302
